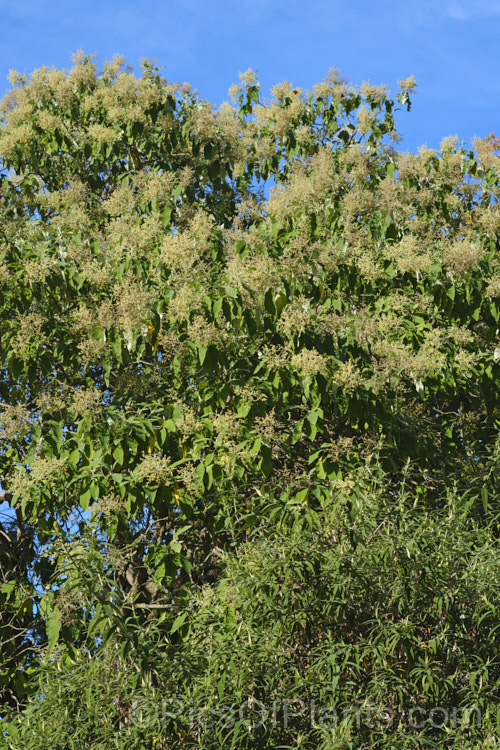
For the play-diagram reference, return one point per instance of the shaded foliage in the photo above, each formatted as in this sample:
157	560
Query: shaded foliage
249	433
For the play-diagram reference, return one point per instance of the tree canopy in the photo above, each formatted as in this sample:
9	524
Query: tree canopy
249	377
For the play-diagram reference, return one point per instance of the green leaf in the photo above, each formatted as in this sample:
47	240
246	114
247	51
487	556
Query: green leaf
177	414
199	474
202	353
178	622
118	455
7	588
484	498
53	627
302	496
266	460
85	498
74	457
297	431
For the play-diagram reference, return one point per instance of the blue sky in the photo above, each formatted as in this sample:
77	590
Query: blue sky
451	46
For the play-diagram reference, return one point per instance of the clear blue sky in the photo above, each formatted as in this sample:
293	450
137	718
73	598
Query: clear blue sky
452	47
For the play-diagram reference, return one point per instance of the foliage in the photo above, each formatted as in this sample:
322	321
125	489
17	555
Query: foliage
249	433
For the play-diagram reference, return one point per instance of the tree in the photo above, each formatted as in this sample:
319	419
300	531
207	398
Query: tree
249	433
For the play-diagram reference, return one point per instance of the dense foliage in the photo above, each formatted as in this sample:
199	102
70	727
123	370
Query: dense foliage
249	374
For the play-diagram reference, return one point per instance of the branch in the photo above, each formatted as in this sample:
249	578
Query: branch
137	580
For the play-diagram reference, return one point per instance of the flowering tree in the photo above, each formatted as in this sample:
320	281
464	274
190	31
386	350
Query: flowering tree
249	373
